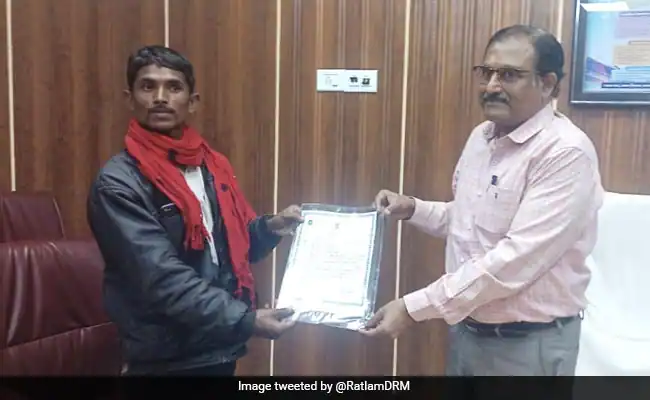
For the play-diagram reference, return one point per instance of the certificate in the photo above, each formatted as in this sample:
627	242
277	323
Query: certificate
333	267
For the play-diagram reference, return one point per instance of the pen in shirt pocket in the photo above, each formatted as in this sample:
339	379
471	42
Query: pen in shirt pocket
494	182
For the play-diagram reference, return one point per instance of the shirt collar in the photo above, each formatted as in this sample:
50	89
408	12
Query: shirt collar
528	129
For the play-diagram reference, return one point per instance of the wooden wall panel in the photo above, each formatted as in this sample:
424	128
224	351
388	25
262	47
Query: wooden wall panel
621	136
69	72
447	39
339	148
232	45
5	149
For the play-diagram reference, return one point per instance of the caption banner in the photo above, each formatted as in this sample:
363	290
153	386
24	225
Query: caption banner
326	386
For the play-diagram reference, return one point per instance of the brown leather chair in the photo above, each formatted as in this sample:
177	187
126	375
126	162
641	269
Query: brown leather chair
52	320
30	216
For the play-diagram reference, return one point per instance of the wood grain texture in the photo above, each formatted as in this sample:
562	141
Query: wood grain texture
69	73
5	148
447	39
232	45
621	136
339	148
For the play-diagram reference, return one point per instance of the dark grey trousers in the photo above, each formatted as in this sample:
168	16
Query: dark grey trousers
548	352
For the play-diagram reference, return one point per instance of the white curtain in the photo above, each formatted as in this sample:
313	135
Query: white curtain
615	337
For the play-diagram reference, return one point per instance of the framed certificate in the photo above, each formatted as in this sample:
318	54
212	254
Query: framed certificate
333	267
611	53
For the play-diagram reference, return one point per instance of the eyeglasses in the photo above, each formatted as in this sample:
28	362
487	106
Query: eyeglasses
504	74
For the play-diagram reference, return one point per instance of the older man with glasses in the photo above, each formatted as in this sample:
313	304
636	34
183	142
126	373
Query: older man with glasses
527	191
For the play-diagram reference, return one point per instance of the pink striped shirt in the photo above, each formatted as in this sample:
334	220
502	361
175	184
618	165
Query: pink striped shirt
522	222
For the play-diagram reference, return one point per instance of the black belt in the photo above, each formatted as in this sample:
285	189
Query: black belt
514	329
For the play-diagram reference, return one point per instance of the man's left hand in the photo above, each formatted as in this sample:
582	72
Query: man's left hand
391	320
286	221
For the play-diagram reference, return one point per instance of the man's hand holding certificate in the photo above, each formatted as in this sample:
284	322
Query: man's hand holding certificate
272	323
333	267
393	318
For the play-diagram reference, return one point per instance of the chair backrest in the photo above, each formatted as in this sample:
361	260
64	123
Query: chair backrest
29	216
619	291
52	320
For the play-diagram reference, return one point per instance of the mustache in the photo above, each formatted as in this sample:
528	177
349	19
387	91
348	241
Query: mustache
161	109
494	97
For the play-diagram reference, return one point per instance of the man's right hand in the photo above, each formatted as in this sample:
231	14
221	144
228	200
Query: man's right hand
272	323
397	206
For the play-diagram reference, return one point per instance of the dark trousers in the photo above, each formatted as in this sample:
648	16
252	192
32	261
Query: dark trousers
211	370
549	352
138	389
227	369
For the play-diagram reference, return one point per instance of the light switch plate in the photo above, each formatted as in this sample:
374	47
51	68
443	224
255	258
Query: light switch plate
361	80
330	80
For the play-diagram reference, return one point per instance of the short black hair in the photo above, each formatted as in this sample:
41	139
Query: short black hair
548	50
163	57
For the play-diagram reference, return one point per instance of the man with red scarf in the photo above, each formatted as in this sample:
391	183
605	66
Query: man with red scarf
177	234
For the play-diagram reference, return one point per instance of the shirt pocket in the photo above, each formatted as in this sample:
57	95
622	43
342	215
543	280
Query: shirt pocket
497	210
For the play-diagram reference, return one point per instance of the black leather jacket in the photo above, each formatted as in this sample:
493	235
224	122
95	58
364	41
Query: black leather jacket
174	308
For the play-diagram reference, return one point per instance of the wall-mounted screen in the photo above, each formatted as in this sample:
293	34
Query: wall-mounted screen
611	53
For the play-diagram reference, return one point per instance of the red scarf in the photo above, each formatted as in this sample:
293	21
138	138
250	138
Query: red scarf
152	151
